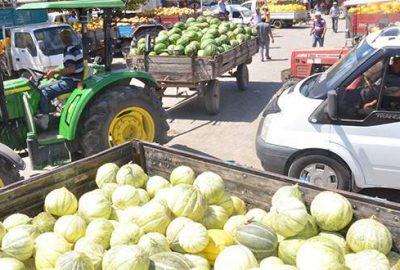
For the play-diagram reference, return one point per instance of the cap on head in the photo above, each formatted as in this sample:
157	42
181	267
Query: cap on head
265	8
335	3
317	14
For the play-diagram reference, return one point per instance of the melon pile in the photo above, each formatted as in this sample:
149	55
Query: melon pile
204	36
188	221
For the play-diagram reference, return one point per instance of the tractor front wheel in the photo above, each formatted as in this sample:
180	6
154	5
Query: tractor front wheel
8	173
122	114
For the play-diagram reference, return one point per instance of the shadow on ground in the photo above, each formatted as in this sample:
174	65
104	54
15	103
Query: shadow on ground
236	106
191	150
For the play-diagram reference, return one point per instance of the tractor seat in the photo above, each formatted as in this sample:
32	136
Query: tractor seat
63	96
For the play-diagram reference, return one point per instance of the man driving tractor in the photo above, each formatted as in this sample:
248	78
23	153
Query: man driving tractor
70	75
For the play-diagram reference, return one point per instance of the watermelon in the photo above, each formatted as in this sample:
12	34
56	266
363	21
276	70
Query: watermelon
179	50
162	39
164	54
160	47
190	20
215	21
206	42
200	53
213	32
223	30
238	30
260	239
226	47
190	35
234	43
180	25
174	31
193	28
184	41
196	44
190	50
152	53
174	38
207	36
201	19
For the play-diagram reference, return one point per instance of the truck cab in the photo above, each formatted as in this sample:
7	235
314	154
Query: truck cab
36	47
339	129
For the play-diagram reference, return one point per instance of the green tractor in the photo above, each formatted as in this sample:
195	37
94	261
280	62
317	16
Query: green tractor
106	110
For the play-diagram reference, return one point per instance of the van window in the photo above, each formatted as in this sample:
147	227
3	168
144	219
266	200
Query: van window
359	98
25	41
236	14
390	96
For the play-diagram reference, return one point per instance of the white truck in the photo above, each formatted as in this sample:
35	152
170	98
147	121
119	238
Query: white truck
280	19
237	13
30	43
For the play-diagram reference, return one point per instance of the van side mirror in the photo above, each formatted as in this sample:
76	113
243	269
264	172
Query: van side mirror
332	104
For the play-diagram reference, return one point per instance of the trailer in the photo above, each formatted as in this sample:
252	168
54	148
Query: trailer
288	19
255	187
198	73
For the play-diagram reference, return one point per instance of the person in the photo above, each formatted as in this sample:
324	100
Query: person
265	36
222	8
255	18
71	74
334	12
305	4
267	14
318	30
392	85
73	18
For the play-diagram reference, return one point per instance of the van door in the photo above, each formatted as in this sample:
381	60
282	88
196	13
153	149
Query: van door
24	51
369	125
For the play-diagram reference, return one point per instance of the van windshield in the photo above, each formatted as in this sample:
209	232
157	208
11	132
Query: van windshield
50	37
330	79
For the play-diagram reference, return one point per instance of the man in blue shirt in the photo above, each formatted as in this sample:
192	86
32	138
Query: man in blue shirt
71	74
318	30
334	12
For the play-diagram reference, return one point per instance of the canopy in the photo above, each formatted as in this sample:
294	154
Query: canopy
75	4
362	2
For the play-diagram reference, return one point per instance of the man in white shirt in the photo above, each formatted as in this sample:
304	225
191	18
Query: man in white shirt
334	12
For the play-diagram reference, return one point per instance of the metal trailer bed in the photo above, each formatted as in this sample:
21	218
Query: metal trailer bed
198	73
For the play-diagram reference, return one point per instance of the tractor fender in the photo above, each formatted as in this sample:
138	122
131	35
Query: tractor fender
7	153
80	98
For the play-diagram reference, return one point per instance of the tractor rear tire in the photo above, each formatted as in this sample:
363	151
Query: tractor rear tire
8	173
128	106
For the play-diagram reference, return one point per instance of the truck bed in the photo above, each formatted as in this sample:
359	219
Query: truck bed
180	70
254	186
295	15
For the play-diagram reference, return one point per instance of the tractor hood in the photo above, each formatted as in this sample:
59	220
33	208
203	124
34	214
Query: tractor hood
16	86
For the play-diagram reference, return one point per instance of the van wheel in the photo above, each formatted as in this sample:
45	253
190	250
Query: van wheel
321	171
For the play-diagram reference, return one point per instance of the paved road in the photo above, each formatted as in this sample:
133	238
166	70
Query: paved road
230	135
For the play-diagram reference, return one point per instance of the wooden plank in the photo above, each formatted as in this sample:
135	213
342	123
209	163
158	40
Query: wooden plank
257	187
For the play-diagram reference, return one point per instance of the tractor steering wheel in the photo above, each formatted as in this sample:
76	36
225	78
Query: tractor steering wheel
35	76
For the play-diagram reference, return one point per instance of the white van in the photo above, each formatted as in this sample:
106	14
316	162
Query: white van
237	13
341	128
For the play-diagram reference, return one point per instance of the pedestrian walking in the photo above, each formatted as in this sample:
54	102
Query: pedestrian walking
267	14
334	12
318	30
265	36
255	18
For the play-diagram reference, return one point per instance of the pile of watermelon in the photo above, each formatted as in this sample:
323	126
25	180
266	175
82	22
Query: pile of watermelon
204	36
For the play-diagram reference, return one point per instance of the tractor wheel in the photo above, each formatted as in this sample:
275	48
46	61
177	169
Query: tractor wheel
212	96
8	173
121	114
242	77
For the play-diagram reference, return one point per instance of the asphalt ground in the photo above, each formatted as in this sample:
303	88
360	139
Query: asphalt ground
230	135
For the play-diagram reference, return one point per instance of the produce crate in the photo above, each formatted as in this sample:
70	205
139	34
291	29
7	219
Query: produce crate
254	186
124	31
173	70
